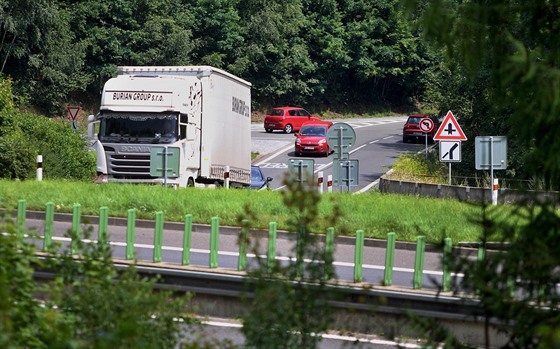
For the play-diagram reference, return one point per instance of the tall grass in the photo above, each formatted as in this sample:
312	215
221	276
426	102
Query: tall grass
375	213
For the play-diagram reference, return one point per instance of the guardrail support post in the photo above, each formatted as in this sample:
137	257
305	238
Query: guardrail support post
214	235
158	237
243	244
187	238
271	253
359	256
131	224
389	259
419	262
103	226
49	226
446	281
329	253
75	228
21	218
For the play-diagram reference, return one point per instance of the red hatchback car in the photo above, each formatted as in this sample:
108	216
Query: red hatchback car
312	139
287	119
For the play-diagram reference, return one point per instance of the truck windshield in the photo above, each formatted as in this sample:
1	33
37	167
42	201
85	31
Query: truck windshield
138	127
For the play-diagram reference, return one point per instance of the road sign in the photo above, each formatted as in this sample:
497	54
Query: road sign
426	125
340	137
449	130
346	172
450	151
73	112
482	156
164	162
301	169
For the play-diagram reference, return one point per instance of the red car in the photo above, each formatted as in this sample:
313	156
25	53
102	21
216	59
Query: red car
312	139
412	131
287	119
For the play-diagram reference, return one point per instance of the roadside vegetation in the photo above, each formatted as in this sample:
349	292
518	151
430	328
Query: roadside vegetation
375	213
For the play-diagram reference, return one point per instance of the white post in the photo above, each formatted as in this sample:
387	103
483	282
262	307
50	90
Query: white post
226	177
320	182
39	167
495	192
329	183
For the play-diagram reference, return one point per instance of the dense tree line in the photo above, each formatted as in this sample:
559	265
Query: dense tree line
337	54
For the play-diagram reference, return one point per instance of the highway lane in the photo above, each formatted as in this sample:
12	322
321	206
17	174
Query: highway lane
373	265
378	144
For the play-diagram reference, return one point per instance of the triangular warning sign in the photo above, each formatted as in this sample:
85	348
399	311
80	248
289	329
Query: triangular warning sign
73	112
449	130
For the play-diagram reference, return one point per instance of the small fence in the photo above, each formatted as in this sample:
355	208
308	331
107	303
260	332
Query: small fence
243	243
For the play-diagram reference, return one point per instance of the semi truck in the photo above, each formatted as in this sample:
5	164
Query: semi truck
175	125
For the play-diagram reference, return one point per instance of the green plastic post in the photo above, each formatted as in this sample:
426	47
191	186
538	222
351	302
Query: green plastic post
419	262
103	226
243	245
359	256
75	228
446	281
481	253
158	237
187	238
21	218
389	259
131	224
49	226
214	236
329	254
271	254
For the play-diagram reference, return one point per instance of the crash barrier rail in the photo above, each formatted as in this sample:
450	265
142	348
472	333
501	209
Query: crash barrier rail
243	243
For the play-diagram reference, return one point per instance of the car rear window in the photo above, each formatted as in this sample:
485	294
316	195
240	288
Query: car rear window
277	112
414	120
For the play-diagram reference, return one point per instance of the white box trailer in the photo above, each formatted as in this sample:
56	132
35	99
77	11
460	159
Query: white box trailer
180	125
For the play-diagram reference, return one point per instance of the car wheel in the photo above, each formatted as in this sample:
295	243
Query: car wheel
268	130
404	140
288	128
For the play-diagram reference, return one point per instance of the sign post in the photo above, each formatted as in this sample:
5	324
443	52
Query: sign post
491	154
450	135
426	126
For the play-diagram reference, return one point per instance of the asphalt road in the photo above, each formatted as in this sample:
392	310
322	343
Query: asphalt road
378	144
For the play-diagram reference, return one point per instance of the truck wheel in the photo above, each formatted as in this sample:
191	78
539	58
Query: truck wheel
190	182
268	130
288	128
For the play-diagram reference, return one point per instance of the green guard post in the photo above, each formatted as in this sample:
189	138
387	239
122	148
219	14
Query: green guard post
446	280
187	238
329	254
103	226
49	226
21	218
158	237
131	224
359	256
419	262
271	254
389	259
243	245
75	228
214	236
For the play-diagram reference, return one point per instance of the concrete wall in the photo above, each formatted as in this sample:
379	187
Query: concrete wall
463	193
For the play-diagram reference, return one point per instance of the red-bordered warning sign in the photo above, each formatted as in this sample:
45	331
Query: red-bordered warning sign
449	130
73	112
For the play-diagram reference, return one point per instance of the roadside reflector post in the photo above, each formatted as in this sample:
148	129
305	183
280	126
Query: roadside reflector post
39	168
271	254
359	256
320	182
158	237
329	183
214	236
75	228
495	192
226	177
131	224
389	259
419	262
187	238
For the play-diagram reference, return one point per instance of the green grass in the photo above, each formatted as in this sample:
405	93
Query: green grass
375	213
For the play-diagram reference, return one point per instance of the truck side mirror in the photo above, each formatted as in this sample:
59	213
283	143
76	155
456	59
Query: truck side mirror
91	127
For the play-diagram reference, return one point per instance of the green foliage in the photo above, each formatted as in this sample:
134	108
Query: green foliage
290	304
23	136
